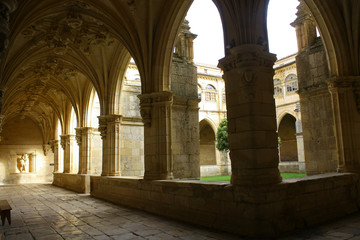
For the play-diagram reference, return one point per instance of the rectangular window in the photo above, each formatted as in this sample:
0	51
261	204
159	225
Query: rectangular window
278	91
210	96
291	87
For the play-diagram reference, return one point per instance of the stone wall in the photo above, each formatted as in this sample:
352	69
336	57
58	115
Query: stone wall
22	136
132	147
96	153
259	212
185	121
132	132
316	111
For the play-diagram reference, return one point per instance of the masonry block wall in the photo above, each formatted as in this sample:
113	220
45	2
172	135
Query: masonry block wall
132	132
23	136
185	120
316	110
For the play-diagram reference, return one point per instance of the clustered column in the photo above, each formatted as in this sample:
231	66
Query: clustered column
55	149
248	73
84	139
346	122
109	127
155	109
67	142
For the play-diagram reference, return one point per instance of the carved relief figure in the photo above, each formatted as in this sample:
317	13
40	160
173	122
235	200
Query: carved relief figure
21	162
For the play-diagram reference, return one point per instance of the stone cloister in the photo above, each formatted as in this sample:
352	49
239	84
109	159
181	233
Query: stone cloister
56	56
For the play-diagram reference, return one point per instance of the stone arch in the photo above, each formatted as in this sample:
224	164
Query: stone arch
93	110
282	114
290	77
287	135
343	58
207	143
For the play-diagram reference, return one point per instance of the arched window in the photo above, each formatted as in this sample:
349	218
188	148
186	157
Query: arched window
291	83
210	93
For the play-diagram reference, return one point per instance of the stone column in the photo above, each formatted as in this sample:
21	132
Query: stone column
248	73
155	109
67	142
109	127
346	122
55	149
84	139
300	145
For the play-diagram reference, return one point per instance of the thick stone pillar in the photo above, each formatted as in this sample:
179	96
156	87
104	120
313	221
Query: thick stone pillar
248	73
84	140
67	142
55	150
346	119
109	127
156	113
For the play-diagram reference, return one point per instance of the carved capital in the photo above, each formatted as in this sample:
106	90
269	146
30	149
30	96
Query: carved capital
104	120
54	145
149	100
63	141
246	56
46	149
78	135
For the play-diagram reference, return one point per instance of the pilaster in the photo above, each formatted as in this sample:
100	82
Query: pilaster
109	127
155	109
248	74
67	142
346	122
55	149
84	139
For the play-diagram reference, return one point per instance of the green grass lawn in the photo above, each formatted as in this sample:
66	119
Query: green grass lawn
227	178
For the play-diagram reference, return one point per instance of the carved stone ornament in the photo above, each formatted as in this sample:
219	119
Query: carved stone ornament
247	55
46	149
75	31
63	141
78	135
248	76
149	100
103	123
22	160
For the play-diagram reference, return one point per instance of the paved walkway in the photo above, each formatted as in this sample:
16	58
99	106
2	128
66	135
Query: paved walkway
42	211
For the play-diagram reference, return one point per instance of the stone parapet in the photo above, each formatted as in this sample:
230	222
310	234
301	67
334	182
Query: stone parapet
257	212
76	182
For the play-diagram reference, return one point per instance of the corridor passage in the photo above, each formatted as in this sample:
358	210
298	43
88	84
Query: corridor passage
43	211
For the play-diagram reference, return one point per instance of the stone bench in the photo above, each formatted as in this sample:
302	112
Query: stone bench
5	211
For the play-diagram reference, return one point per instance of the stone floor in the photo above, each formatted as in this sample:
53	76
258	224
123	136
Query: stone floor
43	211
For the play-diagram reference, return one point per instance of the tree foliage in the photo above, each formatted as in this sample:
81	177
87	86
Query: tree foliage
222	136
